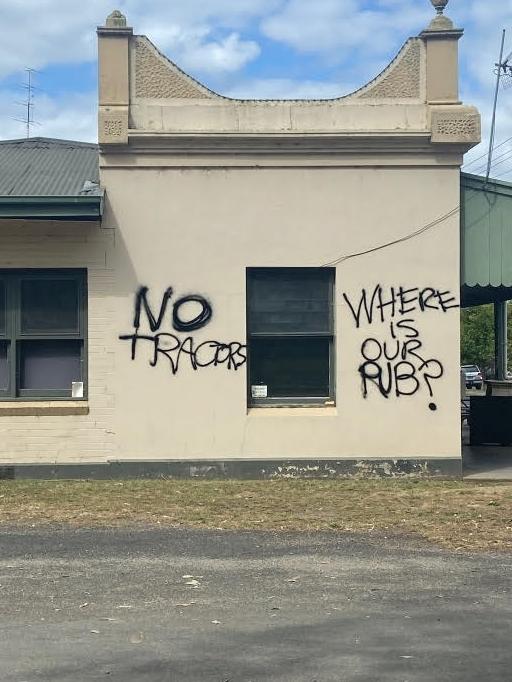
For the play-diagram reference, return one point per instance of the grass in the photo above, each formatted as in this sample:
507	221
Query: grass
456	515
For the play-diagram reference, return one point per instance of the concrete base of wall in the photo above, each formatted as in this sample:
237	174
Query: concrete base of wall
241	469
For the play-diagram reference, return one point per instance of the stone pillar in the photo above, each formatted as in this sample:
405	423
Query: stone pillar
114	79
441	43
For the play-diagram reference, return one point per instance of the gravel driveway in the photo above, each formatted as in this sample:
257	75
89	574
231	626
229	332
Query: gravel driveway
151	604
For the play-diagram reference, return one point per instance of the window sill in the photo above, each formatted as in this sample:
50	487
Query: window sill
37	408
289	411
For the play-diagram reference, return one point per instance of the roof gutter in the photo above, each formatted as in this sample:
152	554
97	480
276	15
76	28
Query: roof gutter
78	208
479	183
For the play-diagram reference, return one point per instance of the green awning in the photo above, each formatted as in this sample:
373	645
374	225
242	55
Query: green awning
486	234
85	207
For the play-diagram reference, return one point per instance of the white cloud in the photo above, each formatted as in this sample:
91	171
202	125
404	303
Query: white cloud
476	159
286	88
219	38
195	50
227	55
479	48
336	27
231	14
37	33
71	117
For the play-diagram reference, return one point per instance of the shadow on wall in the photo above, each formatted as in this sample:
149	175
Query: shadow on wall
125	283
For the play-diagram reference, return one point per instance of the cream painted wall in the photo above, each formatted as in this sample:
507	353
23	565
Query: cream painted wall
197	230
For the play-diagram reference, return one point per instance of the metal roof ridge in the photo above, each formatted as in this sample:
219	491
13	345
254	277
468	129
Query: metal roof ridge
51	140
482	179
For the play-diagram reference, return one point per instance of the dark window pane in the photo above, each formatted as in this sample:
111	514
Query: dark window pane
49	305
4	369
49	365
291	367
2	307
290	301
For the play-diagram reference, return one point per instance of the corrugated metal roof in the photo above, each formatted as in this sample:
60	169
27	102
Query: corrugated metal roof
42	166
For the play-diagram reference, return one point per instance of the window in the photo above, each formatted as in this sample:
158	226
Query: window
42	334
290	331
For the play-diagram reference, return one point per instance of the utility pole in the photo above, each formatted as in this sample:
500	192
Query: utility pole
500	307
503	68
495	106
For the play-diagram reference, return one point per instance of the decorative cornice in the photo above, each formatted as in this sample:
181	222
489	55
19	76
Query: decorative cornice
453	34
456	125
278	145
113	125
115	32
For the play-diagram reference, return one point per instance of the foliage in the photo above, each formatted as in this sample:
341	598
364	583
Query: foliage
477	337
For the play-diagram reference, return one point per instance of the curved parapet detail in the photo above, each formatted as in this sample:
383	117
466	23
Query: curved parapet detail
403	79
144	95
157	77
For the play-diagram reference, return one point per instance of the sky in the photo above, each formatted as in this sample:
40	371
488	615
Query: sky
242	48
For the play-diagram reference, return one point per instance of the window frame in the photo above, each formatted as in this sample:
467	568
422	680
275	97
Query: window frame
13	334
294	401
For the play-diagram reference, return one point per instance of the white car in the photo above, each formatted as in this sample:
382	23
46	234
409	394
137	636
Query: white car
472	376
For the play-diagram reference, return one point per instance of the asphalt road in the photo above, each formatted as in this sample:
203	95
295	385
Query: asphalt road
80	605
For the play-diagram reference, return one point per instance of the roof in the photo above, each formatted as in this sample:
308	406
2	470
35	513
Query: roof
45	178
486	248
42	166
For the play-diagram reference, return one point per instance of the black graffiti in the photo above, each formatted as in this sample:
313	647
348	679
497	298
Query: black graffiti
397	363
205	354
197	322
167	345
141	303
397	301
399	371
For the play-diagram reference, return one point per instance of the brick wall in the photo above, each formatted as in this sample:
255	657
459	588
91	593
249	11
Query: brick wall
52	438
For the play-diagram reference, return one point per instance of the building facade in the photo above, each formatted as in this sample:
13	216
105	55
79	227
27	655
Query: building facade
273	288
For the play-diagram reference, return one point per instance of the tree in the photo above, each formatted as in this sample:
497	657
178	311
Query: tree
477	337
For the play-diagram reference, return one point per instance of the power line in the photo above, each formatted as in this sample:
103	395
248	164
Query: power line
506	155
405	238
503	160
496	158
507	171
399	240
487	153
495	106
503	69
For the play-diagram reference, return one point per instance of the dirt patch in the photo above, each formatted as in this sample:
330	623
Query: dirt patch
469	516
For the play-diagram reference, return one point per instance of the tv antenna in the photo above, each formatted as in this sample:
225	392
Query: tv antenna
503	70
28	104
